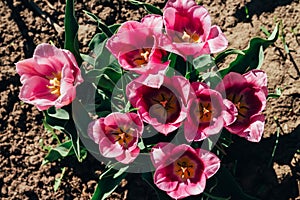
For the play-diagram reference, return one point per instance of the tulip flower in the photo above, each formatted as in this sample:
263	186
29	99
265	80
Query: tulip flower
117	135
135	45
208	113
161	101
189	31
49	78
182	171
248	92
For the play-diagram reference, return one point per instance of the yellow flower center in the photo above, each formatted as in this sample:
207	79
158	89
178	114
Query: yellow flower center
185	168
163	105
240	104
122	137
204	112
143	57
54	83
188	36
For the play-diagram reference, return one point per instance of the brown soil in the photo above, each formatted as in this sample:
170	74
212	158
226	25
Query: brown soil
24	24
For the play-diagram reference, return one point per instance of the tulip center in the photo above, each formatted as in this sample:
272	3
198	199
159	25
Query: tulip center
122	137
163	105
205	112
54	84
185	168
142	58
188	36
239	102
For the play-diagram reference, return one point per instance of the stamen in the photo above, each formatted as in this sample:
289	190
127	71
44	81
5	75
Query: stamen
54	82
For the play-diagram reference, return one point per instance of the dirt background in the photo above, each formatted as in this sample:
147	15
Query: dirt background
25	24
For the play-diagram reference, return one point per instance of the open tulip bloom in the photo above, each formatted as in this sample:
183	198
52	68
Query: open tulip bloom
117	135
164	76
49	78
182	171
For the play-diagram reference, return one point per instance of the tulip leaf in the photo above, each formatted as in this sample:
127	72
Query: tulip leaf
59	119
58	113
59	152
203	63
253	55
109	181
148	7
81	118
96	41
71	130
276	94
102	56
58	180
226	53
71	31
103	27
212	79
56	119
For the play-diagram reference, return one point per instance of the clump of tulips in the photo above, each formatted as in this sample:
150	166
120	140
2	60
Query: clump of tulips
151	92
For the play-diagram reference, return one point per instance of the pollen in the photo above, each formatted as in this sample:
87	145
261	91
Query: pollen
191	37
123	137
54	84
205	112
184	168
142	58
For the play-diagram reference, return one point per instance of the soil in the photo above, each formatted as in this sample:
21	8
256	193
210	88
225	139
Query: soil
23	140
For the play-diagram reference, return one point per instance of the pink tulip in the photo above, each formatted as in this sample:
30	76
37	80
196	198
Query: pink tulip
117	135
208	113
135	45
248	92
49	78
189	31
161	101
182	171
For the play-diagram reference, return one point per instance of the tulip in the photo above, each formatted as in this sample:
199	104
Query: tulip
209	113
117	135
248	92
161	101
182	171
135	45
189	32
49	78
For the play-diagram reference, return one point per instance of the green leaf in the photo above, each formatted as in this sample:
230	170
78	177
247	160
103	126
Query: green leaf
96	41
70	129
226	53
109	181
148	7
253	57
276	94
61	151
103	27
203	63
265	31
57	181
55	122
212	79
81	118
58	113
101	57
71	31
170	71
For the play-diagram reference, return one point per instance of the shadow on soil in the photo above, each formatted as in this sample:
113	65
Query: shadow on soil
254	166
257	7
